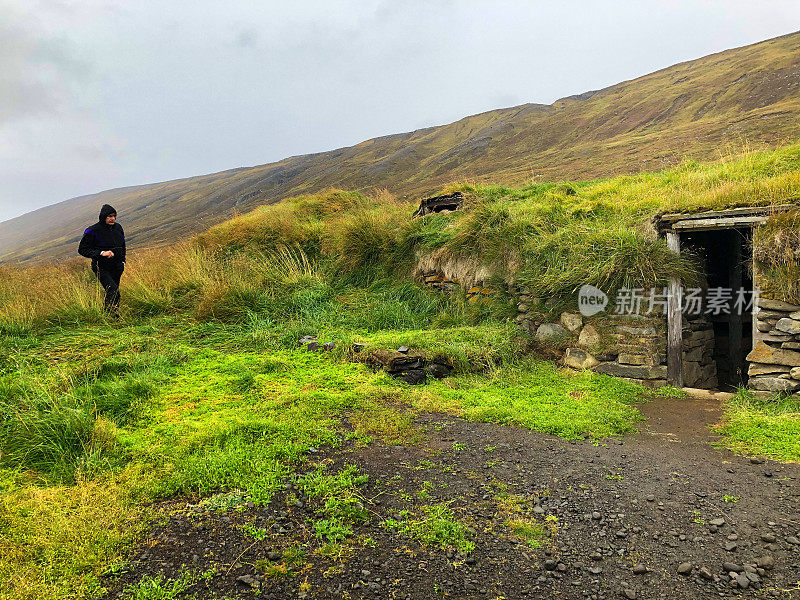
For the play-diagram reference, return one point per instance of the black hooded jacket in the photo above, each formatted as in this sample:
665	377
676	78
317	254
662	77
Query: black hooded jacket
101	237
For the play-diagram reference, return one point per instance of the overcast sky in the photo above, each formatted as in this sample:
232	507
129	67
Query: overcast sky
96	94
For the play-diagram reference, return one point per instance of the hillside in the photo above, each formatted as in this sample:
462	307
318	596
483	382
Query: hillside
689	110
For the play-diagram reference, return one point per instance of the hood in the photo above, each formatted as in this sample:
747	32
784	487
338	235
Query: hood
105	211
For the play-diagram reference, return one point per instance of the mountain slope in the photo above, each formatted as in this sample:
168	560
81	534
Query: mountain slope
693	109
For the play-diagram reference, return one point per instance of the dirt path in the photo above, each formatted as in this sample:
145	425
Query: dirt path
621	519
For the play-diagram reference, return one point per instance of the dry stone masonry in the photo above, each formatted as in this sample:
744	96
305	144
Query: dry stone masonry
775	358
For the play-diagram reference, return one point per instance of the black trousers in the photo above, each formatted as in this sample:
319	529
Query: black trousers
109	278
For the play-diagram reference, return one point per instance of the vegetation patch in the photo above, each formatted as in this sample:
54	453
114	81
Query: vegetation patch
434	525
762	427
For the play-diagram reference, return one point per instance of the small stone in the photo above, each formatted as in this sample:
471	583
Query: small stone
717	522
706	573
793	540
731	546
767	473
595	570
766	562
639	569
651	498
685	568
768	538
742	581
757	460
730	567
403	350
628	593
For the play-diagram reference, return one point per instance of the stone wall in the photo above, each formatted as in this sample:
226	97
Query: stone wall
438	280
775	359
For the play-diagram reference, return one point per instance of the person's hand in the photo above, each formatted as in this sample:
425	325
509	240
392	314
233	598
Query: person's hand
107	254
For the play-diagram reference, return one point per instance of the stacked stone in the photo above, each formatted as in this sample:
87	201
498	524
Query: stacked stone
632	347
775	359
439	281
699	366
524	317
638	350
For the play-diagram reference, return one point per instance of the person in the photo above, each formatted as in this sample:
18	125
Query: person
104	243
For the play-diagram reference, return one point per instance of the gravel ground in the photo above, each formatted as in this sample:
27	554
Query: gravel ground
659	514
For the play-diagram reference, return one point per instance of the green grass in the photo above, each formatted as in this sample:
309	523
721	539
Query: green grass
434	525
539	396
768	428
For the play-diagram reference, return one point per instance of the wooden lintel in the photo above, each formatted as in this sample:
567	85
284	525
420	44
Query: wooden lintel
731	212
722	223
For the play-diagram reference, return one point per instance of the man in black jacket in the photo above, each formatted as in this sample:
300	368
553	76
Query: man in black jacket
104	243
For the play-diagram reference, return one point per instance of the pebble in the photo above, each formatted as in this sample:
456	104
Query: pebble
757	460
732	567
639	569
628	593
793	540
719	522
731	546
768	537
706	573
685	568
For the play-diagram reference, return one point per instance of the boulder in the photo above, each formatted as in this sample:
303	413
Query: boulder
788	326
578	359
764	369
571	321
550	331
770	304
774	384
589	336
633	371
763	353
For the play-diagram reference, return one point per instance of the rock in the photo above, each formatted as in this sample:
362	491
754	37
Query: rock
438	370
775	336
762	369
588	336
718	522
685	568
790	345
412	376
628	593
730	567
795	373
742	581
757	460
793	540
595	570
571	321
779	305
731	546
637	359
639	569
578	359
768	538
637	331
705	573
632	371
522	307
247	580
774	384
788	326
765	562
403	350
550	331
328	346
763	353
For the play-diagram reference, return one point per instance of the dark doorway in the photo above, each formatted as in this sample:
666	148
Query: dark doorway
726	257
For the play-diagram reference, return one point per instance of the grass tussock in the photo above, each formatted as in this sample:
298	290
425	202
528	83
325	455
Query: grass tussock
776	250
